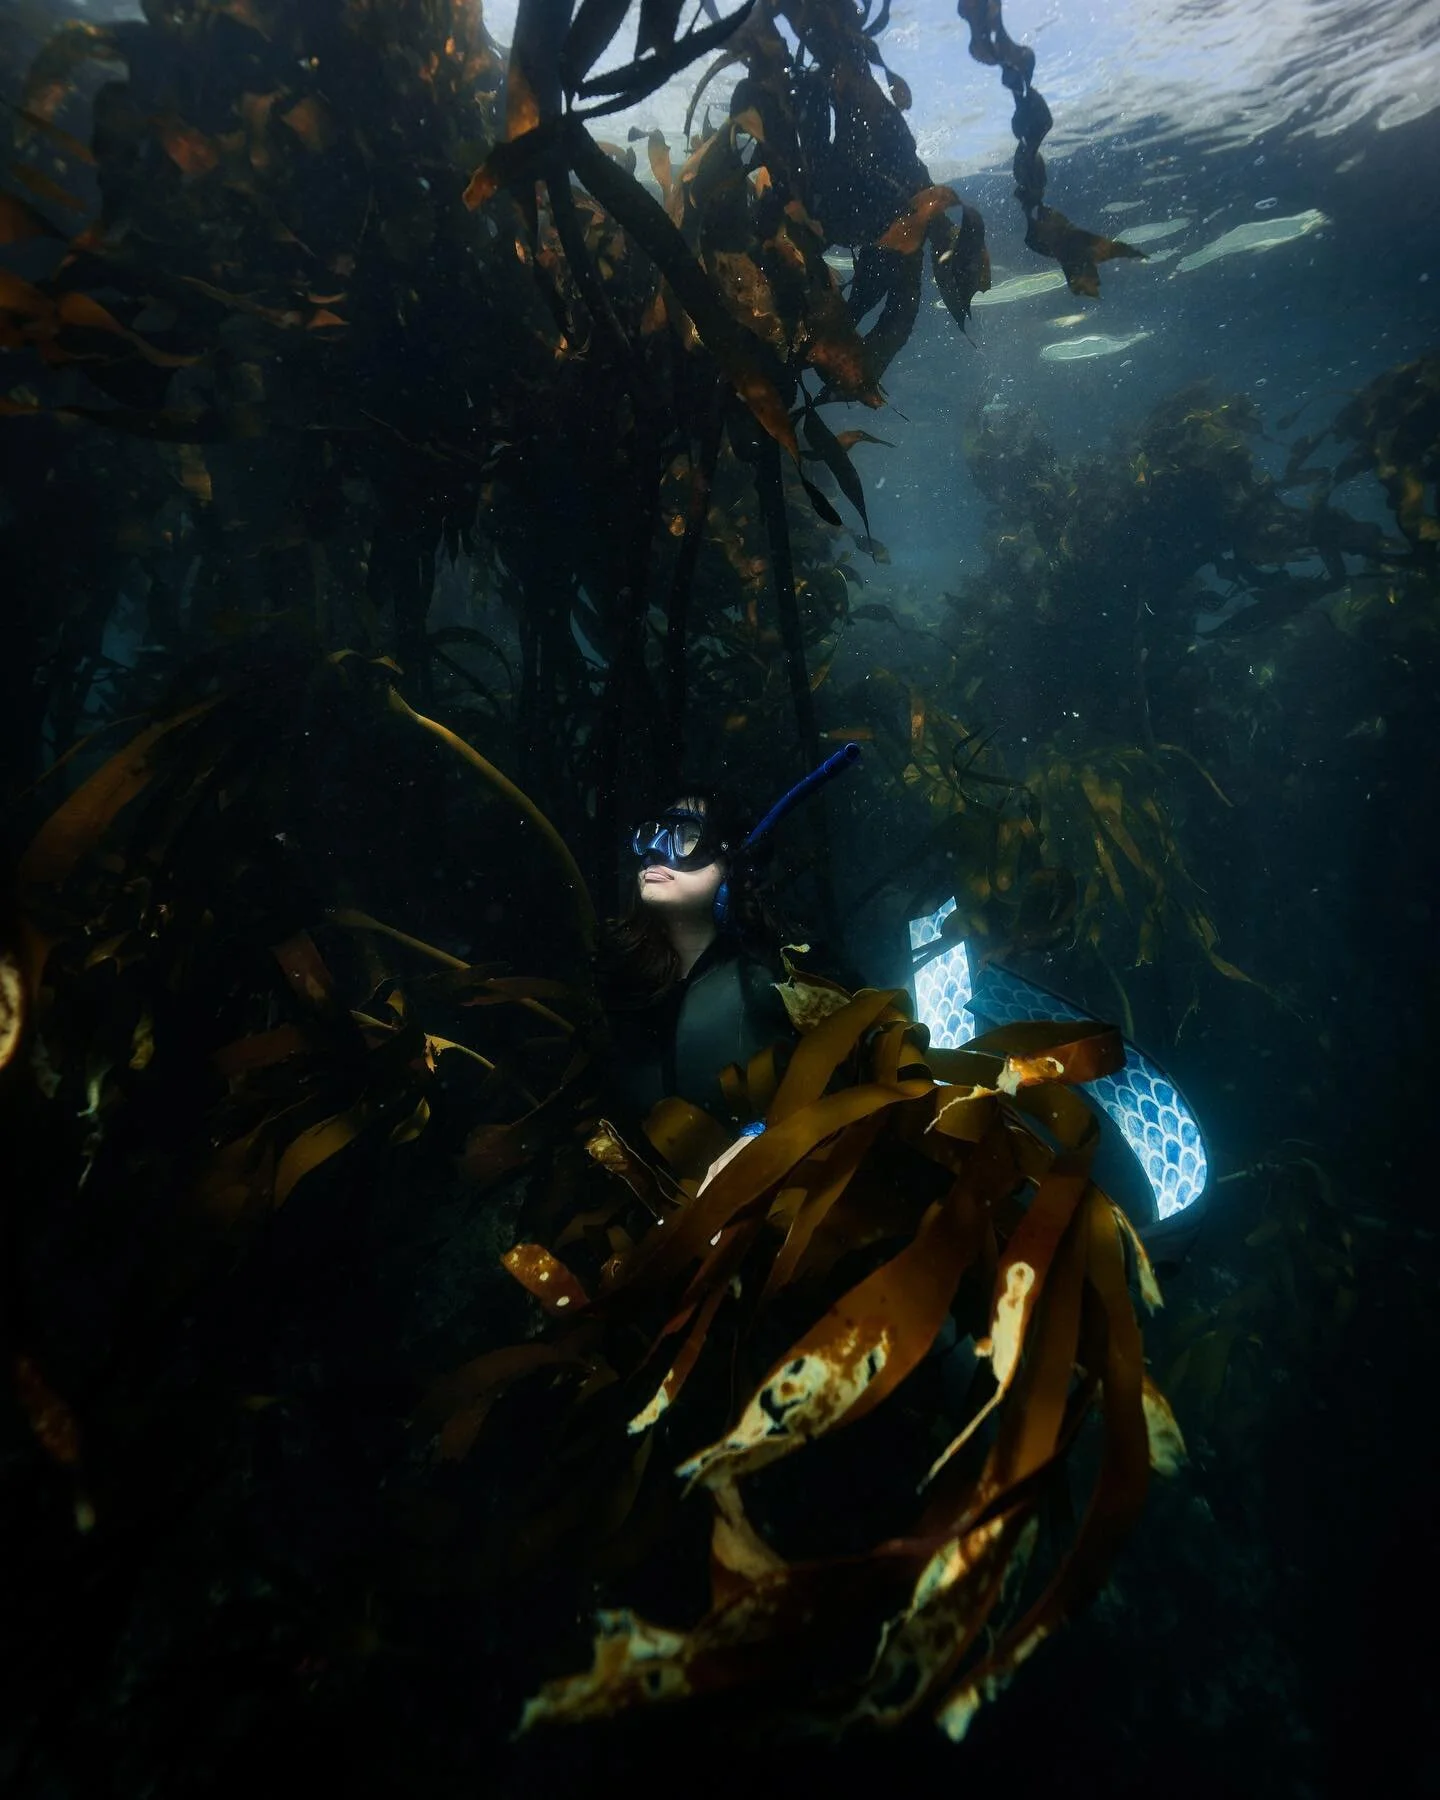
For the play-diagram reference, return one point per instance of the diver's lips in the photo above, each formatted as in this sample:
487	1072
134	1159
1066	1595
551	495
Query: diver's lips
656	875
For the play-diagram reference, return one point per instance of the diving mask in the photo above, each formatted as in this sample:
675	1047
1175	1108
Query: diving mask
678	838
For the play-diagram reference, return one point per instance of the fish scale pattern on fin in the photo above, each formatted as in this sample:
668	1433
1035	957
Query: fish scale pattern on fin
942	984
1140	1099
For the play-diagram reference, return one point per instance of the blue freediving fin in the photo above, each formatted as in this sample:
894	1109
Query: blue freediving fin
1152	1159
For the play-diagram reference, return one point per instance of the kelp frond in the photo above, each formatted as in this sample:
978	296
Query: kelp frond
962	1179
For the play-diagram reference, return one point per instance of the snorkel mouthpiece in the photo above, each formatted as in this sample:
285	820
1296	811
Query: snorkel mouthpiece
844	758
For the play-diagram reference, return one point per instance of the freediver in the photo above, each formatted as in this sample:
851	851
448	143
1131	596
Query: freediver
689	974
688	970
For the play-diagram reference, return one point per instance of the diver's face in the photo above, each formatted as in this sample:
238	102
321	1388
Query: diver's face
682	864
680	893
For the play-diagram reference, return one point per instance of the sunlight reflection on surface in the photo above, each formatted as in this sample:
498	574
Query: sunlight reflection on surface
1223	72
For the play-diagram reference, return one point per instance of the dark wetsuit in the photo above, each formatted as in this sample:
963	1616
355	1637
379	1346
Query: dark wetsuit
725	1011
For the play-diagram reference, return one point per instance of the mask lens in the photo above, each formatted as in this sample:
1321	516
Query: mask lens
673	838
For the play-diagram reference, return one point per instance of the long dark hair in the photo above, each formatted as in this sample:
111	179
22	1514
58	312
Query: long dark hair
636	963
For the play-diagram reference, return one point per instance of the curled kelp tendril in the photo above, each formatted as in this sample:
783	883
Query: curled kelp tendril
1047	231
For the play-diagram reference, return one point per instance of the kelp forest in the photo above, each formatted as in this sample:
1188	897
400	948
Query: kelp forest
406	482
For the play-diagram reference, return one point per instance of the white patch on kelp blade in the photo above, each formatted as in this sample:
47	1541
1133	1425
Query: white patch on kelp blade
632	1658
1162	1431
1085	349
1021	287
1255	234
801	1400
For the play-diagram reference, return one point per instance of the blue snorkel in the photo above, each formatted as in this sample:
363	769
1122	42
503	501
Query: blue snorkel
844	758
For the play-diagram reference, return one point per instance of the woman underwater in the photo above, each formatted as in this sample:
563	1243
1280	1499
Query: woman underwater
689	977
689	969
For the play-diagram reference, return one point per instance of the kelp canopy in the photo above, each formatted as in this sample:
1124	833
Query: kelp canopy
460	486
336	304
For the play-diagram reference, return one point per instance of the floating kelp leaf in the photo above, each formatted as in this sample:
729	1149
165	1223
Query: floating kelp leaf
606	1147
492	1152
685	1359
659	21
1254	235
20	222
1076	250
77	826
1167	1445
737	351
1119	1493
634	80
12	1006
37	124
46	188
316	1145
312	123
546	1277
1393	426
49	78
847	440
1085	349
687	1138
582	906
885	274
49	1417
457	1405
961	262
516	161
193	153
41	319
828	447
589	36
1021	287
907	233
822	506
877	613
659	152
856	1355
533	85
808	998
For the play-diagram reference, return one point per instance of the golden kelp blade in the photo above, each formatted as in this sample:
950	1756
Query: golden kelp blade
12	1006
858	1353
1062	1337
1120	1487
77	825
907	234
